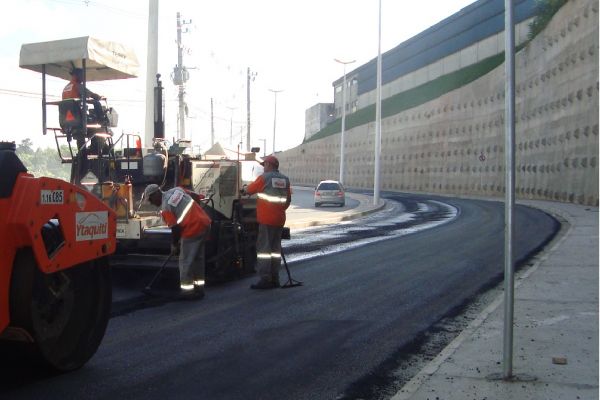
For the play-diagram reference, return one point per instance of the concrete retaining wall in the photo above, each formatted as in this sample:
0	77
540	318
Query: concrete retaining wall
455	144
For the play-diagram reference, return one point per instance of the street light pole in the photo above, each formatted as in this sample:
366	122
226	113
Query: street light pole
275	115
509	116
376	183
344	63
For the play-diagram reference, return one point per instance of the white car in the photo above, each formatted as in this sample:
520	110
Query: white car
330	192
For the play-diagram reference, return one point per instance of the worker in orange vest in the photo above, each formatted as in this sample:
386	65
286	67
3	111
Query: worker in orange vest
74	89
189	227
274	195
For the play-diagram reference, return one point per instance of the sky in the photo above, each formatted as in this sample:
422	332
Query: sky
289	46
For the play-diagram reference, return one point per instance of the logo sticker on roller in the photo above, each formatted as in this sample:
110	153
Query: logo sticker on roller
91	225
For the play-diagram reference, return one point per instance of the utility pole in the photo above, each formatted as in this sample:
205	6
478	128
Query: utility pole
180	77
250	77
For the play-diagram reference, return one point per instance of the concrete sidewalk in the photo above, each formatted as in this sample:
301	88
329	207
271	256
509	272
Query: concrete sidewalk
555	327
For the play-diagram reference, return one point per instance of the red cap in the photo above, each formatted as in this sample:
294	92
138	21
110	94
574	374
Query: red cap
271	160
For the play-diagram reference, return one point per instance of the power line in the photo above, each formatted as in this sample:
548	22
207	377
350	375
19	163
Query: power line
21	93
35	95
97	4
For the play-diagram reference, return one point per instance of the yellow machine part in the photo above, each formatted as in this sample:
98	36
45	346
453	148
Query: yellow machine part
119	197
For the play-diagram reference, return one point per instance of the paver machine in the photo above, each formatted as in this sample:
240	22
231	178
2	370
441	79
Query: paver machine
55	288
117	169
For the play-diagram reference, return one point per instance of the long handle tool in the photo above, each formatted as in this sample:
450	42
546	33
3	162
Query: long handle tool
291	282
148	287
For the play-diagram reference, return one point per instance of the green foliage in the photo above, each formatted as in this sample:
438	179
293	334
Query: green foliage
25	147
545	10
42	162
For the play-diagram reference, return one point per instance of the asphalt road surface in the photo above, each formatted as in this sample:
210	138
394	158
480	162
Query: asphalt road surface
361	311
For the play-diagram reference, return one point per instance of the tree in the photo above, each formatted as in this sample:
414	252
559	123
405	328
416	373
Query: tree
545	11
25	147
42	162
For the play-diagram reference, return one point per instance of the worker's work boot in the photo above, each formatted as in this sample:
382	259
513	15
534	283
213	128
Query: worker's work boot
195	293
263	284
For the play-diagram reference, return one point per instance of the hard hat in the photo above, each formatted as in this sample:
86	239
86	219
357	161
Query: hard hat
271	160
150	190
77	72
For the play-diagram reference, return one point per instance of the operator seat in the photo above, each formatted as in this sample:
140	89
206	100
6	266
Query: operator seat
11	166
69	117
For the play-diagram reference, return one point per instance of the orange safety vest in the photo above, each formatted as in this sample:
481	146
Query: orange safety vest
178	208
71	91
274	195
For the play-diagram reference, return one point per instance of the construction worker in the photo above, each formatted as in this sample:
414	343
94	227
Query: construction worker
75	87
189	226
273	198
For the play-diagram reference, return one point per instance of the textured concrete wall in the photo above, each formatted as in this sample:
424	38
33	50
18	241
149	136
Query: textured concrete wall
455	144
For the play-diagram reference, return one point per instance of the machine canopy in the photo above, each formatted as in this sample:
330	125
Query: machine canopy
104	60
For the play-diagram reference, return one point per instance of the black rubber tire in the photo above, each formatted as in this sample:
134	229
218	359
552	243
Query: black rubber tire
66	312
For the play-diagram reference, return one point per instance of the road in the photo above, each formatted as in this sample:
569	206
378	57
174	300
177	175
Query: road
303	207
362	312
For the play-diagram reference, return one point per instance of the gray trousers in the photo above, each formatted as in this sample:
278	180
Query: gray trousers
191	261
268	252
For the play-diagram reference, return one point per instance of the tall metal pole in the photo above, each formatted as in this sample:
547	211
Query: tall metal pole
248	107
151	70
509	284
342	144
181	89
231	125
44	116
212	122
275	115
250	77
376	183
